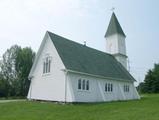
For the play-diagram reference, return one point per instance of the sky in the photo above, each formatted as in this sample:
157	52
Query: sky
24	22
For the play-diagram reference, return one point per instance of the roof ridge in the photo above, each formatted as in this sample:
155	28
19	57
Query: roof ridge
80	44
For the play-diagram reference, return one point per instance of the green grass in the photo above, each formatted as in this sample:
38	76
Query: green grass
145	109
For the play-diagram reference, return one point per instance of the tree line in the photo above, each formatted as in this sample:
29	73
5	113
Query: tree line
151	81
15	66
16	63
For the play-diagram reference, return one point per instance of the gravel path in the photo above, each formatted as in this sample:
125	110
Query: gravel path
16	100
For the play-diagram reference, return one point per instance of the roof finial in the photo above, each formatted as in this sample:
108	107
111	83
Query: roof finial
112	9
84	43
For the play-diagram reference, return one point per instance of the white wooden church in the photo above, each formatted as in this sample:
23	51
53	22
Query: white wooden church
67	71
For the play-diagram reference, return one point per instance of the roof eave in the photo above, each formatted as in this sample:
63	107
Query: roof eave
99	76
108	35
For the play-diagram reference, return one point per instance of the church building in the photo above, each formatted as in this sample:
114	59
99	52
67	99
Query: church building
66	71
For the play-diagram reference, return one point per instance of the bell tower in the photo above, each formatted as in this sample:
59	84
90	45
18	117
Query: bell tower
115	41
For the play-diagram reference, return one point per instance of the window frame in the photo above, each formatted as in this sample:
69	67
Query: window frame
83	84
111	87
108	88
87	84
79	84
126	88
46	64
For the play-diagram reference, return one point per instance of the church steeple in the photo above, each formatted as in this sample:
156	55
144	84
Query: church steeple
115	41
114	27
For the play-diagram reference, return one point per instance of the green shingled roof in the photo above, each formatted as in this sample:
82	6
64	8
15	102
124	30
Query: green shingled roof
114	27
78	57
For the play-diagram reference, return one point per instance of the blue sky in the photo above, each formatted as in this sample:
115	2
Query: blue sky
25	23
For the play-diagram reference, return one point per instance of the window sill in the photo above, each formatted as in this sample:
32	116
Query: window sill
127	93
108	92
87	91
46	74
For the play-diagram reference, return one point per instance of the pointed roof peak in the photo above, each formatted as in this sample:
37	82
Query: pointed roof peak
113	13
114	27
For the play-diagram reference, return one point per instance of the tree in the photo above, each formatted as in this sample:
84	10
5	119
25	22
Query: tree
3	90
15	68
23	65
151	81
155	87
8	71
141	87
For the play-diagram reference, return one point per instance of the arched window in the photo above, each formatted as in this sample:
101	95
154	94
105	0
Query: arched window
47	64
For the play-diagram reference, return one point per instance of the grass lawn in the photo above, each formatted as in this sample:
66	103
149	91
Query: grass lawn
145	109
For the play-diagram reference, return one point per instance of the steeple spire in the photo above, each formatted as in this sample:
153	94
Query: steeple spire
115	41
114	27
